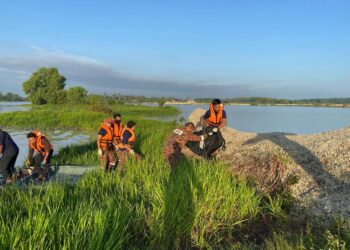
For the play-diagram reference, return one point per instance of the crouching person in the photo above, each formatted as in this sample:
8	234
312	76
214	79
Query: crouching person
40	153
125	148
105	146
9	152
177	140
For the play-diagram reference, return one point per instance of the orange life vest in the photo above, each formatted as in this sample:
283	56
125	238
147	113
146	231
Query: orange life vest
106	140
38	145
215	119
117	130
131	140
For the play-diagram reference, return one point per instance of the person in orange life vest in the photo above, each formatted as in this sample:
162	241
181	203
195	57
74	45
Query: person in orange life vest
215	116
117	128
40	153
105	147
126	146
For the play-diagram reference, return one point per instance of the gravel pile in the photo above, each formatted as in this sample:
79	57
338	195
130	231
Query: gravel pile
319	164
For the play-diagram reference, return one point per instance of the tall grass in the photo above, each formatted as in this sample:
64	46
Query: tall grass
76	117
196	205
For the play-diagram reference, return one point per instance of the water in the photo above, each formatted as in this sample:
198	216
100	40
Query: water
264	119
13	106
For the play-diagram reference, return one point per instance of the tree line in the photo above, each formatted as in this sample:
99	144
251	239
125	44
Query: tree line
47	86
11	97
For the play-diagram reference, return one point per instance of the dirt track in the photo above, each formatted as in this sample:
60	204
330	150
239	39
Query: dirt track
319	163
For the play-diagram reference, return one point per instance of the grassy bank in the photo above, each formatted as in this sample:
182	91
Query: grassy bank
196	205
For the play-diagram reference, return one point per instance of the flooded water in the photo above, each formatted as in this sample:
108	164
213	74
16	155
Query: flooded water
13	106
264	119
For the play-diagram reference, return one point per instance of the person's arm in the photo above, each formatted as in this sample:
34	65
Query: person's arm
126	137
99	141
2	143
224	120
204	118
30	154
47	149
192	137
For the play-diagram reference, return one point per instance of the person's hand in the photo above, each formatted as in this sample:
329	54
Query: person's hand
132	152
215	130
100	152
27	163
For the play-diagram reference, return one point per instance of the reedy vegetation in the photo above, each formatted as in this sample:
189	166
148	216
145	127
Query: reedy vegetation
198	204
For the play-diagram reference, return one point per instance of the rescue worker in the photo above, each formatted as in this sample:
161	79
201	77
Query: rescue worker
43	149
105	147
117	128
126	146
215	116
9	152
177	140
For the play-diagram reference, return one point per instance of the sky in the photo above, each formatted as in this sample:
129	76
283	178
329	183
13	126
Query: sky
283	49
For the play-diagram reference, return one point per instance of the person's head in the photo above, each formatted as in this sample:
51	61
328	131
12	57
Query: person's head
108	122
31	137
131	125
189	126
216	104
117	116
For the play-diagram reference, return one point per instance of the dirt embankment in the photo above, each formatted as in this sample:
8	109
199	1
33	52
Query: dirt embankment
316	168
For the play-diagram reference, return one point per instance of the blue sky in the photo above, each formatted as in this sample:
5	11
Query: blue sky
288	49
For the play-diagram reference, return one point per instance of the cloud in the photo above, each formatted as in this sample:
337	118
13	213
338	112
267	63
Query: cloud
100	77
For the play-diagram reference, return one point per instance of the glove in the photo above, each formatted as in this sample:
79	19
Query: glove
100	152
201	144
198	129
132	152
215	130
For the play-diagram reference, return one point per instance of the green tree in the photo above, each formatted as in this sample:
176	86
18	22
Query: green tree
161	102
77	95
45	85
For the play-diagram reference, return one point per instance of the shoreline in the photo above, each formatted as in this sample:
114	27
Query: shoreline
277	105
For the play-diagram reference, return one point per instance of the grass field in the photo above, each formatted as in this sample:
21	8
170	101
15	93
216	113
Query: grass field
197	205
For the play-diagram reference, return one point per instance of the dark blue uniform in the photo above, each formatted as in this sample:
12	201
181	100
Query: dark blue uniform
9	154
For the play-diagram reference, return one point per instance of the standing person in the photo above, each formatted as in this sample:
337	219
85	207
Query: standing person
126	146
117	128
105	147
43	149
9	152
215	116
177	140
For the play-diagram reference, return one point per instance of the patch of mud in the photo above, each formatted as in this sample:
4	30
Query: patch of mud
318	164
